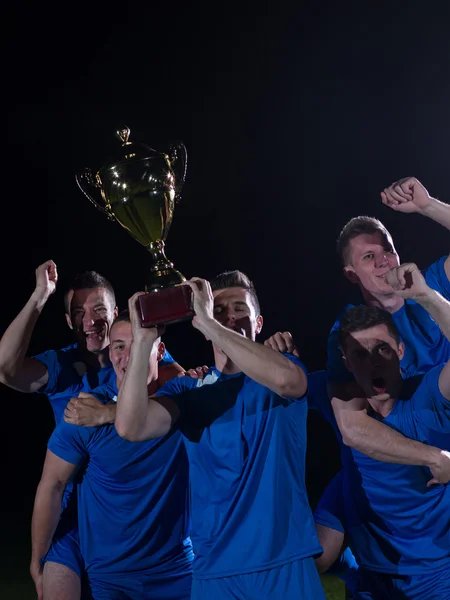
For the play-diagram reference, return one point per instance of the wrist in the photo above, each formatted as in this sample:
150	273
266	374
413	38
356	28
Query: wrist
39	297
426	298
109	414
429	209
433	457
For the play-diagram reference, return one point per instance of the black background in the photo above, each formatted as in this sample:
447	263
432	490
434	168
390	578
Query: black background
295	116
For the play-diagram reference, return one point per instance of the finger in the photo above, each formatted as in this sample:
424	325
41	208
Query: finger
85	395
404	196
289	341
205	369
396	196
132	303
271	343
433	481
390	199
182	374
296	353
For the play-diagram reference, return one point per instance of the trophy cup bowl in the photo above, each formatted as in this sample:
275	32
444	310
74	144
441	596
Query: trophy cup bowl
139	190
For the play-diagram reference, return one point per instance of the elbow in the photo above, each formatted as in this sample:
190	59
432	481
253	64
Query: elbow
126	432
293	383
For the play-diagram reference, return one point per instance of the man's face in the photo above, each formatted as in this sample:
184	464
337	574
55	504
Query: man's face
119	350
372	256
92	312
373	356
234	309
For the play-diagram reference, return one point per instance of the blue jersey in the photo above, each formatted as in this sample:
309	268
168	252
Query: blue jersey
68	375
132	499
395	523
425	344
246	447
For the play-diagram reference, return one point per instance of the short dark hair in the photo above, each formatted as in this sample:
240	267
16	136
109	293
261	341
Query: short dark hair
230	279
355	227
123	316
359	318
88	280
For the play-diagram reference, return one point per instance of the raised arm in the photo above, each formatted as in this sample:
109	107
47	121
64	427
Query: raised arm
408	282
408	195
47	508
261	363
139	417
16	369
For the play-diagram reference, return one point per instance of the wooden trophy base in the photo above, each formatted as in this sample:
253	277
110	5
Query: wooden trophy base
167	306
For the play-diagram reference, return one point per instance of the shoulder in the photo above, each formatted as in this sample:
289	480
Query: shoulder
179	385
337	322
429	383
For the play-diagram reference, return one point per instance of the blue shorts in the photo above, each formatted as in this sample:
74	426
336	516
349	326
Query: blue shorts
65	550
141	586
293	581
379	586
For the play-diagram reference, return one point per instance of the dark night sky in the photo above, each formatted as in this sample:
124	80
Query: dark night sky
294	119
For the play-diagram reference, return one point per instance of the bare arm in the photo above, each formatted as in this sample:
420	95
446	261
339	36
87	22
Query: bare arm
139	417
332	542
369	436
17	370
260	363
47	505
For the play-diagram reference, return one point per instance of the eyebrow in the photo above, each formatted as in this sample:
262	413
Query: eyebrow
118	340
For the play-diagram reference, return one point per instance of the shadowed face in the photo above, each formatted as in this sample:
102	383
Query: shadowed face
373	356
234	309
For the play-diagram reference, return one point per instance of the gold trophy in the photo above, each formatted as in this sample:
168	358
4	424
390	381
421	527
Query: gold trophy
139	190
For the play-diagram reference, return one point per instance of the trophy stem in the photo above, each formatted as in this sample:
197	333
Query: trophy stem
162	273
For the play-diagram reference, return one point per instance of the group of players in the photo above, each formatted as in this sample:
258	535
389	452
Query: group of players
146	457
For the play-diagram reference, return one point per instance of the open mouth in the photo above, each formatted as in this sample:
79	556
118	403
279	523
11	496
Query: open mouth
379	385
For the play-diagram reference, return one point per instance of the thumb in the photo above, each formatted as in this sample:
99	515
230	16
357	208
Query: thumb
295	352
84	395
433	481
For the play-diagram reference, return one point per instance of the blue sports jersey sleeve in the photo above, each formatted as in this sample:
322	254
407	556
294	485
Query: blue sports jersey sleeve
176	390
436	277
70	442
337	372
167	359
51	360
429	406
106	392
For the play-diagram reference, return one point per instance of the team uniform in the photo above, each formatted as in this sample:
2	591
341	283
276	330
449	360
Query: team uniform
252	529
133	518
68	375
398	528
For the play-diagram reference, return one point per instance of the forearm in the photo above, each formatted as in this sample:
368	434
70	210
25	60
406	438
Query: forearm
133	402
438	308
438	211
380	442
16	339
46	513
259	362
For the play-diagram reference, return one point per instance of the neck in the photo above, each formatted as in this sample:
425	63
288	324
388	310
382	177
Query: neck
99	359
389	302
224	364
381	407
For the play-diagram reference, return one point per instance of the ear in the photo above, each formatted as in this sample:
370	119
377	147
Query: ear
350	274
401	350
69	321
259	324
161	350
116	312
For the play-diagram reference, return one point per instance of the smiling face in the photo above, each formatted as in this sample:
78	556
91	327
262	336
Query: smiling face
371	256
234	309
373	356
92	312
119	351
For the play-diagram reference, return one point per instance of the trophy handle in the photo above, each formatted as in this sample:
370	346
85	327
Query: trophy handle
88	185
178	161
